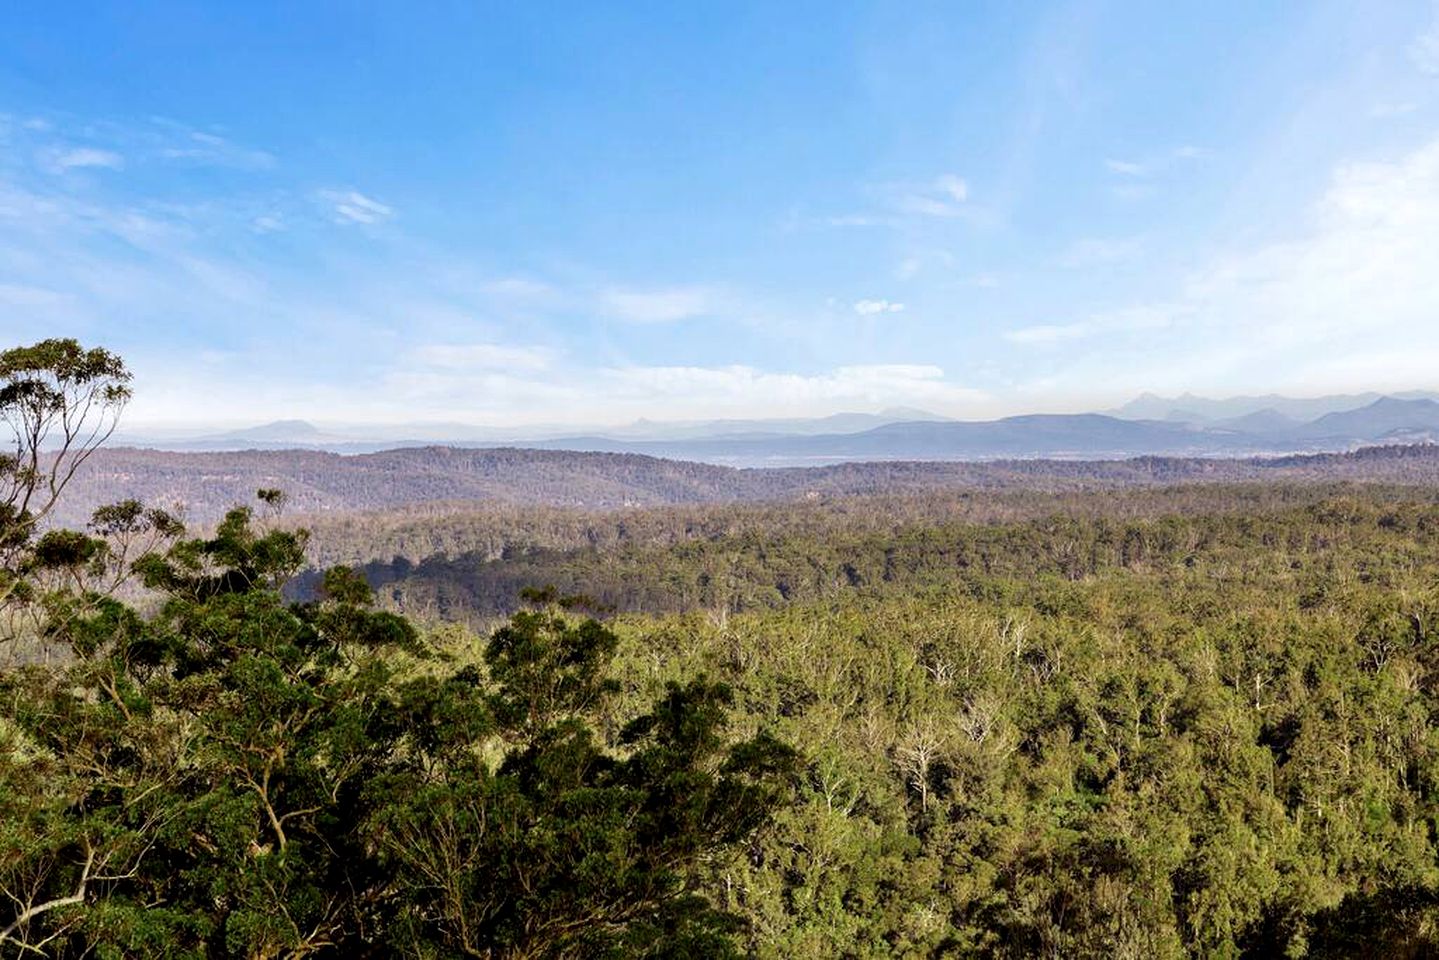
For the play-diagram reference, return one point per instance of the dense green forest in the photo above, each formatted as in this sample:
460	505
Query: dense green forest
725	560
232	774
204	485
1192	721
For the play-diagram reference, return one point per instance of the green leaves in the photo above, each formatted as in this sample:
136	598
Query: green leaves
568	848
548	668
242	775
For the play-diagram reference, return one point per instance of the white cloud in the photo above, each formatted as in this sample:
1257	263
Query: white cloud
1154	164
83	157
1424	51
746	390
1387	109
1094	251
267	223
944	196
1132	191
351	206
858	220
1133	320
197	146
518	288
28	297
481	356
1049	333
658	306
1349	300
482	383
952	187
868	308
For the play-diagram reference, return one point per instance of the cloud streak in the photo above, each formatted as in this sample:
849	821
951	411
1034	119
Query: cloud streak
353	207
665	305
1424	51
79	158
869	308
944	196
482	356
1347	301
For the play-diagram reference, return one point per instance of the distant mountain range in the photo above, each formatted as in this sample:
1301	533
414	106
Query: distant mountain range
1150	425
303	435
1188	408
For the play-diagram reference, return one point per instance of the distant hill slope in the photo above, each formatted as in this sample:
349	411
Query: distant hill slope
302	435
1036	435
1086	435
278	430
205	484
1278	428
1192	409
1385	418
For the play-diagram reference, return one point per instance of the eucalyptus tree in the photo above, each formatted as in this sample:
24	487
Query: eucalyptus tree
60	401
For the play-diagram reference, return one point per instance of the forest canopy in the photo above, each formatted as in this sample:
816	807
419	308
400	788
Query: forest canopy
1158	723
234	774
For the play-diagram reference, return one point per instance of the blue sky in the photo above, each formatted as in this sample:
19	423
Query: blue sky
551	212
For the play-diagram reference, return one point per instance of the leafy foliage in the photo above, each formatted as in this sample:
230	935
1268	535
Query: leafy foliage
1147	725
239	775
60	402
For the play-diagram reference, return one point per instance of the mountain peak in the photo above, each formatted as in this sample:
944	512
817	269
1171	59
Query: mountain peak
277	430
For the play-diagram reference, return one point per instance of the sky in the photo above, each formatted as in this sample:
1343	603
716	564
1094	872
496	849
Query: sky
515	214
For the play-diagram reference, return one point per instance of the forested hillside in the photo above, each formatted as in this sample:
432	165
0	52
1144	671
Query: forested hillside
727	559
716	480
203	485
1190	720
1167	723
229	774
1230	758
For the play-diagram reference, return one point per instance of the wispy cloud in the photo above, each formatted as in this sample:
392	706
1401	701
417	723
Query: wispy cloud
117	260
665	305
1094	251
944	196
908	268
858	220
351	206
1424	51
486	383
30	297
518	288
82	157
1155	164
1127	168
200	147
868	308
925	259
482	356
1347	301
1388	109
747	390
1133	320
1049	333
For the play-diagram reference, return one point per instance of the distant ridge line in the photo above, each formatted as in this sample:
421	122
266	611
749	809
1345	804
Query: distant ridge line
203	485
